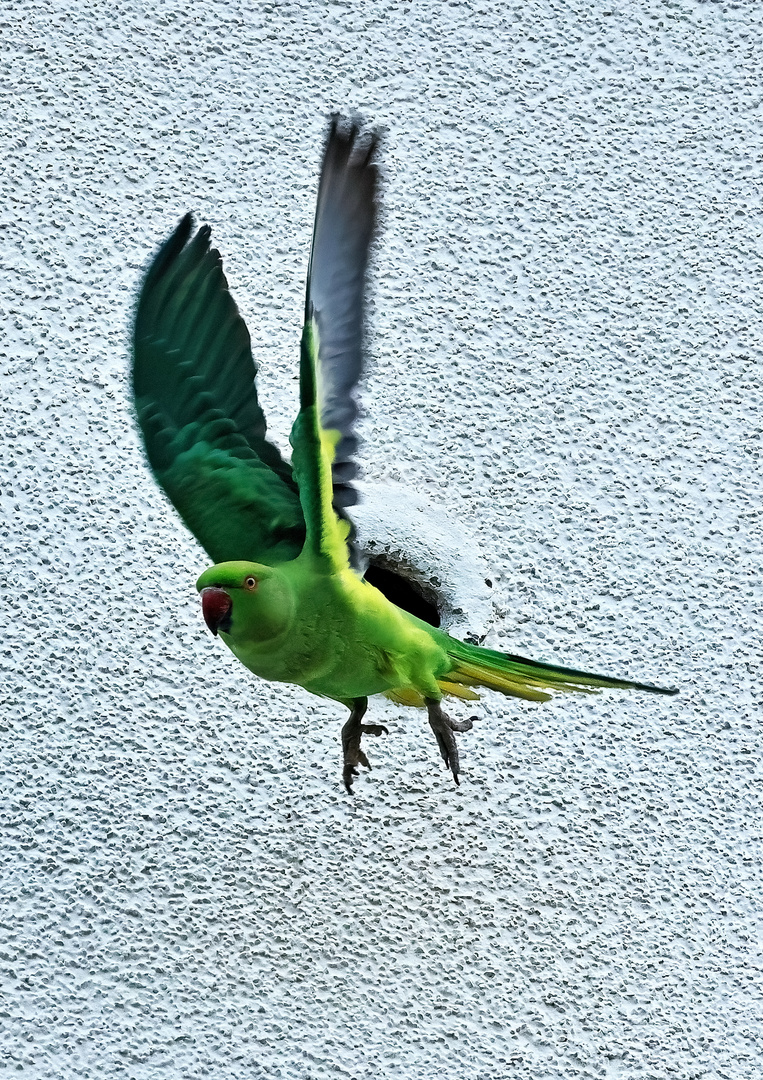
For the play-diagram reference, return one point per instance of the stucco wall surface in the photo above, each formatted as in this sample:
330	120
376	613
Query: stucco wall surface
565	359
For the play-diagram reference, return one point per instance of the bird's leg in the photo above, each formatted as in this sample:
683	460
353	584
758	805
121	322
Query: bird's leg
443	728
351	735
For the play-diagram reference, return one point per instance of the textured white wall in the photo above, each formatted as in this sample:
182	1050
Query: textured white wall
565	352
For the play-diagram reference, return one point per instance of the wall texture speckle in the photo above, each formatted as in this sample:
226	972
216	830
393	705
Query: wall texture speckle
564	340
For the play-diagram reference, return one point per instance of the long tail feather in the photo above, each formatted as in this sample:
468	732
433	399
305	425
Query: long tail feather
517	676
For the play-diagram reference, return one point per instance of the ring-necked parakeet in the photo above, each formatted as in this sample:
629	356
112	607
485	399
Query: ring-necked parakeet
283	594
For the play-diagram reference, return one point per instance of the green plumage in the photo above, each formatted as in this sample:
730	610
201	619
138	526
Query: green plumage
283	593
196	400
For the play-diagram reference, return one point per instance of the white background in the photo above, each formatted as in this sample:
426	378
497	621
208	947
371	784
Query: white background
564	355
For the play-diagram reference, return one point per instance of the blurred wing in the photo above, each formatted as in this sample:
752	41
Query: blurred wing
345	217
332	356
196	400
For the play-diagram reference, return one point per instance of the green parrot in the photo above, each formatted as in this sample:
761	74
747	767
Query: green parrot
285	593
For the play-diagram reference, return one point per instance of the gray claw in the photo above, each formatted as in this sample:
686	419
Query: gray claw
443	728
352	732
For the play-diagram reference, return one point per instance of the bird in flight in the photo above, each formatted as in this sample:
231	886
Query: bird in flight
285	592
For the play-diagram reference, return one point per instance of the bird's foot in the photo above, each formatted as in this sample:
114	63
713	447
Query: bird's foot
443	728
352	733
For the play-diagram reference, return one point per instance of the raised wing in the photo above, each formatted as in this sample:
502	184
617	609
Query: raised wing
196	400
332	355
345	217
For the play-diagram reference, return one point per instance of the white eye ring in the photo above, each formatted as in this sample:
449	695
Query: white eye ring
250	583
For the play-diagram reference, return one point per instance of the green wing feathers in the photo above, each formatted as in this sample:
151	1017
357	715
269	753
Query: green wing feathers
195	393
196	400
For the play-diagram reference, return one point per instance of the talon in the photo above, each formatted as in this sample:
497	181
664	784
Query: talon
374	729
443	728
348	775
352	732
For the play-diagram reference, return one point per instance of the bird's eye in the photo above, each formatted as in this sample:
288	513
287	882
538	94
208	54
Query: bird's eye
250	583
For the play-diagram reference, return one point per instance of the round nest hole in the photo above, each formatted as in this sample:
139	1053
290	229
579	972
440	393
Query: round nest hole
402	592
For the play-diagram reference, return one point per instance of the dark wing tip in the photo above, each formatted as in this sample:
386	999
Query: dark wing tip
347	200
345	224
168	252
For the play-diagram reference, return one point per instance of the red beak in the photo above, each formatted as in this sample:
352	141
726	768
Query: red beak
216	607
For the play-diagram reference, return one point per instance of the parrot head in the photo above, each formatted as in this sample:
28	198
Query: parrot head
246	601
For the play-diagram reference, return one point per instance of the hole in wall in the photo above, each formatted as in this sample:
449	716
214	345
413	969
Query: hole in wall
403	593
